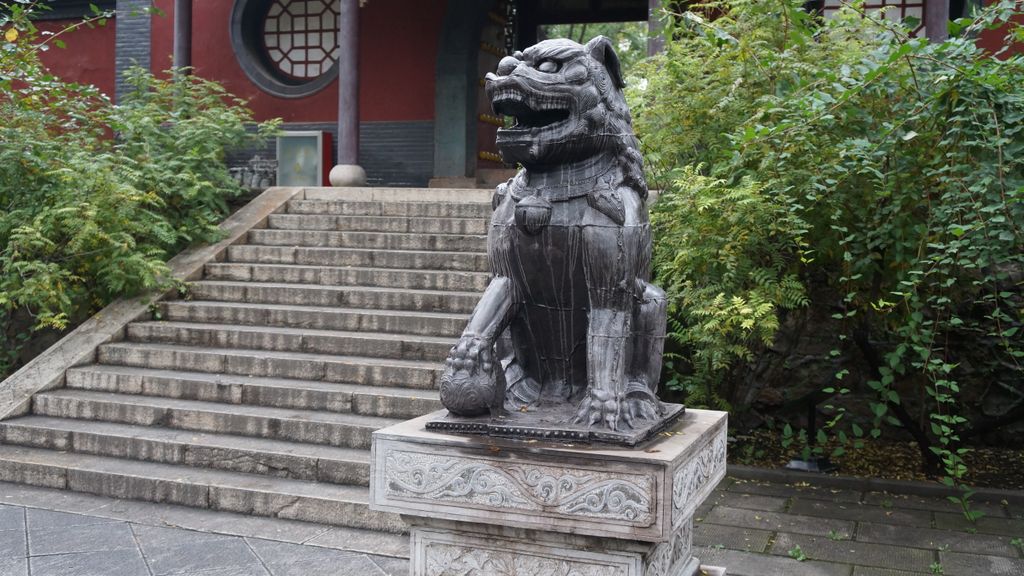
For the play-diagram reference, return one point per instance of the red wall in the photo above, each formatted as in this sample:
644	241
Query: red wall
88	57
397	59
993	40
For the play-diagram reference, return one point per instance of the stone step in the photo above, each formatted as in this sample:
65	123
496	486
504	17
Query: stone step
419	260
334	276
198	487
369	344
368	240
336	296
217	451
431	195
407	224
419	209
316	317
383	401
329	428
295	365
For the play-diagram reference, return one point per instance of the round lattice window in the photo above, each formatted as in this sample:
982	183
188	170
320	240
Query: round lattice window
301	36
289	48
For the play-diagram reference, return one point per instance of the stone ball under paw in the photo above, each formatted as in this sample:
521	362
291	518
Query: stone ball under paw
466	394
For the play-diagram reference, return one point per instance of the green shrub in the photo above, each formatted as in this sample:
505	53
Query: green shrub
888	170
718	255
96	197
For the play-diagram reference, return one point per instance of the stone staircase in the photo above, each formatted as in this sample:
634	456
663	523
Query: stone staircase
257	393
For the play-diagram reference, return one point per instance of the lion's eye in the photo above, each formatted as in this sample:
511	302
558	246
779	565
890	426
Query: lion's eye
548	66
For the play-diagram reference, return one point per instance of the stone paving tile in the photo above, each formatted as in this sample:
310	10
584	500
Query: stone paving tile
787	490
887	500
223	522
861	513
170	551
106	563
154	514
48	498
231	571
850	552
12	518
872	571
958	564
284	559
37	519
87	538
228	555
703	510
935	539
12	544
738	563
391	566
727	482
748	539
749	501
153	538
1012	527
813	525
362	540
13	566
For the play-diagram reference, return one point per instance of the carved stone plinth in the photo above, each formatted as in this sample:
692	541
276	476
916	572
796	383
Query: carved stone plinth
491	506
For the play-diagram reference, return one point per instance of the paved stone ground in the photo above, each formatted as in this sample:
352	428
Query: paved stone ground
756	529
751	528
47	532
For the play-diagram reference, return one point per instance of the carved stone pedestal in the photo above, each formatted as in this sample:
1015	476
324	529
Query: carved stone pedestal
490	506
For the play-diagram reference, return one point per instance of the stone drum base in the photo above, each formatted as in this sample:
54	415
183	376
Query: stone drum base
487	506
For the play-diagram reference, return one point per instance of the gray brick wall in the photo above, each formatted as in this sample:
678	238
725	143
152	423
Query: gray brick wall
392	153
132	39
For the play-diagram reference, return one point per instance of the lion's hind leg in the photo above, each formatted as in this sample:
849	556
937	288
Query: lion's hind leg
649	319
612	268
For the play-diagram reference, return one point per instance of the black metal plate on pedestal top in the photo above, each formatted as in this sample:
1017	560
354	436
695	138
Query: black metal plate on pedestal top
554	424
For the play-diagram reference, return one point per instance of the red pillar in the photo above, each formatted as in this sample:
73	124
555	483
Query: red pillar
655	39
182	34
936	20
347	171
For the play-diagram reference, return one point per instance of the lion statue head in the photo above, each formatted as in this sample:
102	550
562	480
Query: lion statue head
568	105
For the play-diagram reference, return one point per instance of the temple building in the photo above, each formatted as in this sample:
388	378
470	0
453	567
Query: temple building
392	86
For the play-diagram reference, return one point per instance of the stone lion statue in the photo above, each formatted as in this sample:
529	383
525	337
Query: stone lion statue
569	332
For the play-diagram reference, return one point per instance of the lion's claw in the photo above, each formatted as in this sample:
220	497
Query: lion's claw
619	412
471	354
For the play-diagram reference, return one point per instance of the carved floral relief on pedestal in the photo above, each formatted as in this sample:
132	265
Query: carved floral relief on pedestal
446	559
667	555
696	475
571	492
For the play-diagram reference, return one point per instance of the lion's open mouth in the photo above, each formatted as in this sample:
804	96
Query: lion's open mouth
527	116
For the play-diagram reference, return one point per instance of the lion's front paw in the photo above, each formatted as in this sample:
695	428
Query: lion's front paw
469	384
471	353
618	412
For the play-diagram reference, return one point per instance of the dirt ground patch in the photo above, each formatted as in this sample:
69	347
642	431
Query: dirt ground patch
988	467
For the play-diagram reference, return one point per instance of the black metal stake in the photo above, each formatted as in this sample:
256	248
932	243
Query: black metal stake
813	464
